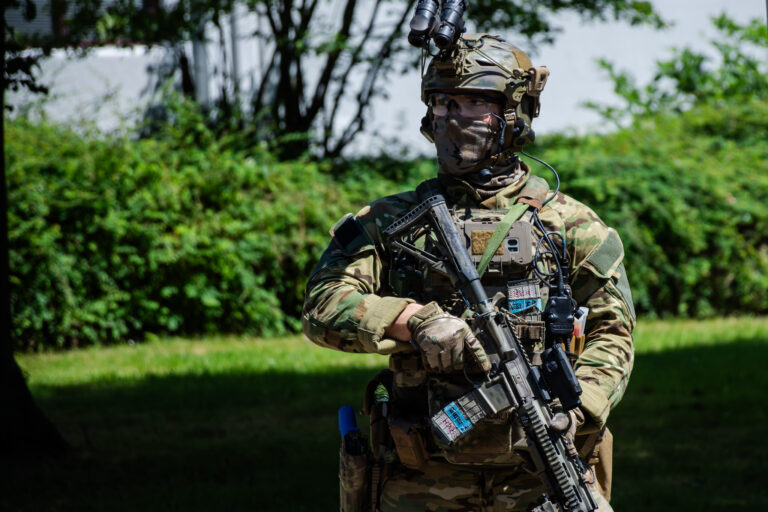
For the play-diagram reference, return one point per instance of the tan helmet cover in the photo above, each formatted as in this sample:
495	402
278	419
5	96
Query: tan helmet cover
485	62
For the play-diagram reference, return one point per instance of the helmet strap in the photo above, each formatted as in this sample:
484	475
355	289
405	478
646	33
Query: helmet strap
503	126
426	127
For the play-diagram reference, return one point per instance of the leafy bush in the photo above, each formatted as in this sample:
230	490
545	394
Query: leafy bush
689	77
689	196
111	238
686	182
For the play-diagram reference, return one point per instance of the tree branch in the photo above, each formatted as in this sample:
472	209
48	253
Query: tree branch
318	99
367	90
258	100
306	16
287	94
300	90
225	78
273	23
354	61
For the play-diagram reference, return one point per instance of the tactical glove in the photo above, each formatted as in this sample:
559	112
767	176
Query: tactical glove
567	423
444	339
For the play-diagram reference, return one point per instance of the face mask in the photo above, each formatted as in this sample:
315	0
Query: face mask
463	144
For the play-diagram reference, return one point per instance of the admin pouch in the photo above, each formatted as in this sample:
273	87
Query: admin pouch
409	442
416	396
492	440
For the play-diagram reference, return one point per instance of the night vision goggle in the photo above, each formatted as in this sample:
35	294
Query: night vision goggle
444	28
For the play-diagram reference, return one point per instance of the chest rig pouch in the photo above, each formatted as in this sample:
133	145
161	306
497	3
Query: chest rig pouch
493	443
516	249
509	274
511	261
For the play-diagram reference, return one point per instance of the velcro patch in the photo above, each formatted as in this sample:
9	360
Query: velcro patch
480	239
349	234
608	255
523	294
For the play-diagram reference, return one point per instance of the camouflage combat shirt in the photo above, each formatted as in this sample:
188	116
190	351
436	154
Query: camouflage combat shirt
350	303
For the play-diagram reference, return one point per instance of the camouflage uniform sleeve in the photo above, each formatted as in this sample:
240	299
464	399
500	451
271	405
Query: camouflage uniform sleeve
345	306
599	282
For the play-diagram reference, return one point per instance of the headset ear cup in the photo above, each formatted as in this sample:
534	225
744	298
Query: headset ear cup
426	128
519	128
522	134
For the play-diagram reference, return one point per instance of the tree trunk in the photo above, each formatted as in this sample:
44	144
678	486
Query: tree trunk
24	429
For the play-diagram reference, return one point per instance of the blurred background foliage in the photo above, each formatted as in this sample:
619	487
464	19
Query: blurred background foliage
113	237
187	232
320	57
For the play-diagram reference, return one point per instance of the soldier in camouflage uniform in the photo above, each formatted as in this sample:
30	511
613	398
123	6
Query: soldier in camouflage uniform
481	99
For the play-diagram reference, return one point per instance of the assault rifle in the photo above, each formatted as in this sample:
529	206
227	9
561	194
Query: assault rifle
513	382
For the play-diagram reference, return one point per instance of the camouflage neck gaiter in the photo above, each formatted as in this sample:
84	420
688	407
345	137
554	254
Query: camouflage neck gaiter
463	144
463	149
488	182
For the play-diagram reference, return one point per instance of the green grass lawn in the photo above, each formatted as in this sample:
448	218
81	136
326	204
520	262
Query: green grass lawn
250	424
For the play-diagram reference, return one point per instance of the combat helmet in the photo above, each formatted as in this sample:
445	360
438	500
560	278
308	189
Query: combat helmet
485	62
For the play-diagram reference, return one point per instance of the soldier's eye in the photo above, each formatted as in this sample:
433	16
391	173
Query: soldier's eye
438	100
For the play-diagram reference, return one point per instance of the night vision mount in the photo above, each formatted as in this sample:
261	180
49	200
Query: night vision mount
444	29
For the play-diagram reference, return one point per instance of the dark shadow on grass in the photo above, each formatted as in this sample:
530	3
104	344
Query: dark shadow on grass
213	442
691	432
690	436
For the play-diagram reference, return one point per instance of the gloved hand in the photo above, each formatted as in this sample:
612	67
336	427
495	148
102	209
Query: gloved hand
567	423
444	340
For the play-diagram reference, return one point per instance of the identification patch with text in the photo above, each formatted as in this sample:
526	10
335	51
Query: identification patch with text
523	294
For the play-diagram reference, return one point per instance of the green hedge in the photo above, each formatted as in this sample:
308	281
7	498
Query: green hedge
689	196
112	238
